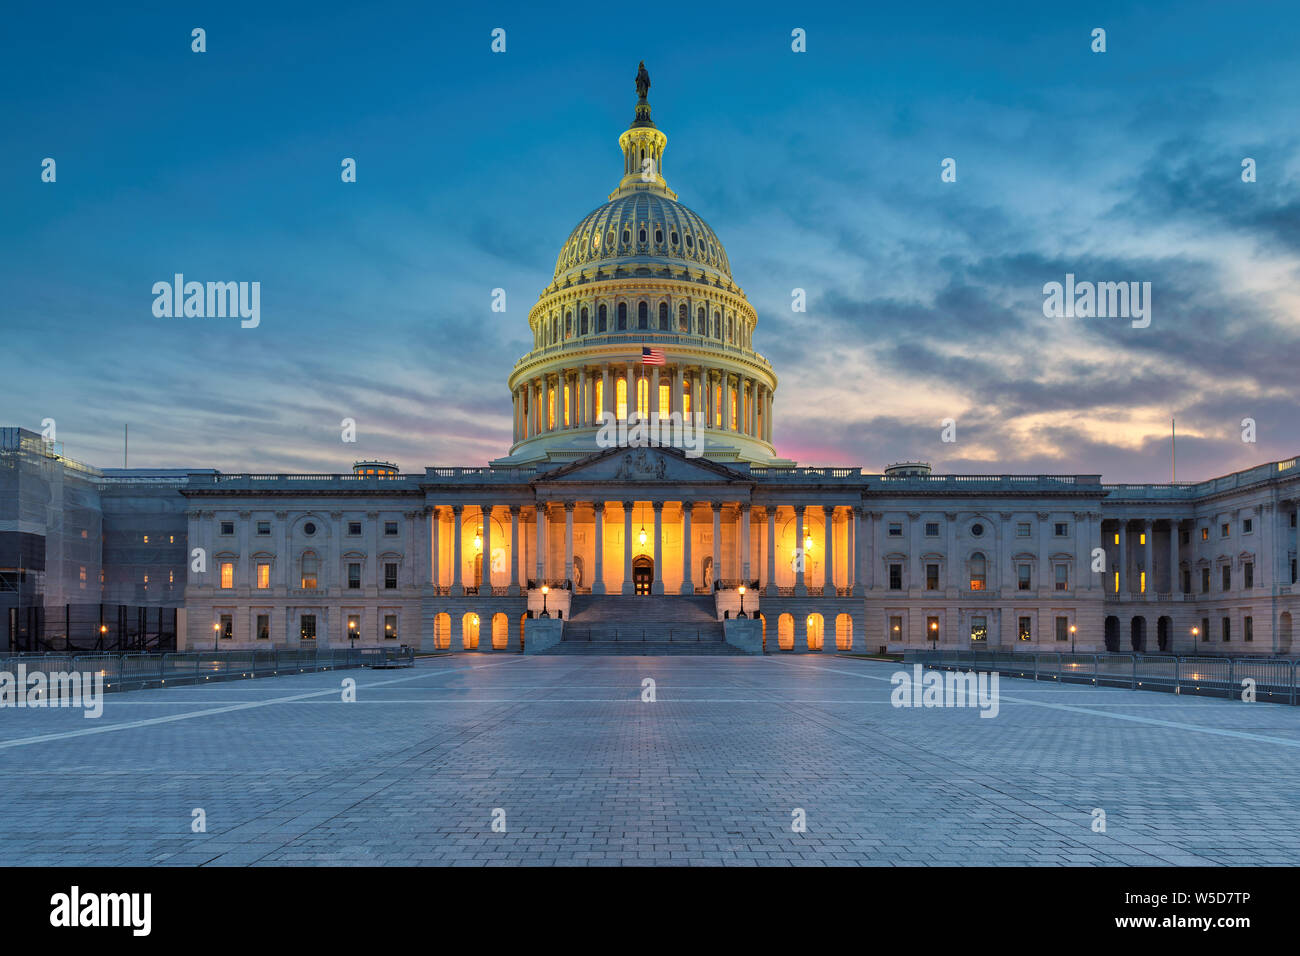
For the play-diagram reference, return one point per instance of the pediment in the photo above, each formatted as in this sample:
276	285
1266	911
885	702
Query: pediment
638	466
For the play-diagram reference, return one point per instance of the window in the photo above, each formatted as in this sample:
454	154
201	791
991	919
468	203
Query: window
390	528
354	528
932	629
146	539
1227	577
1249	633
1248	575
1225	530
390	575
895	577
1022	577
307	627
263	528
1022	529
1187	581
978	572
895	628
227	627
263	627
227	527
663	316
1062	529
1185	537
977	529
896	530
979	629
390	627
641	237
1205	629
1062	577
1247	526
1205	580
354	627
683	318
1227	629
1205	534
354	576
622	316
309	528
263	574
932	529
602	319
642	313
932	577
583	317
227	574
310	566
1062	628
700	321
1026	629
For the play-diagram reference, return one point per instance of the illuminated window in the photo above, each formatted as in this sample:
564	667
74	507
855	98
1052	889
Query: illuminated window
227	627
227	574
735	409
1022	577
717	406
620	398
978	572
1205	534
600	397
171	577
263	574
390	627
1117	537
567	402
686	399
307	627
643	396
1142	582
1062	577
1026	628
310	566
979	629
1116	588
263	627
146	539
550	408
665	399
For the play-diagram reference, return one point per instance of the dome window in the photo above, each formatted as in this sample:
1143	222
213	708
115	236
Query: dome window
690	241
582	321
622	316
673	236
595	241
602	319
641	237
659	237
683	318
699	321
642	316
627	236
663	316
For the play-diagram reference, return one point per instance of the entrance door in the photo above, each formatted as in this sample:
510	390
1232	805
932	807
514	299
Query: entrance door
643	575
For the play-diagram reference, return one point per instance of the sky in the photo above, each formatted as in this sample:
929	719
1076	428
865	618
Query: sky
818	170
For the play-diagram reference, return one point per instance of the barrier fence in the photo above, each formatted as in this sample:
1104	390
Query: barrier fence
137	671
1275	679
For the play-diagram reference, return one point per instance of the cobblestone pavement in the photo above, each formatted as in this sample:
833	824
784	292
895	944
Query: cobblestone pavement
711	772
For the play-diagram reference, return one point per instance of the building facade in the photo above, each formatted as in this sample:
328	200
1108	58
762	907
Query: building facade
643	467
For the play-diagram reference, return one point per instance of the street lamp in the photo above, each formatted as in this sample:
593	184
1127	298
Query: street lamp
216	629
1072	630
934	635
1196	631
352	634
545	591
742	600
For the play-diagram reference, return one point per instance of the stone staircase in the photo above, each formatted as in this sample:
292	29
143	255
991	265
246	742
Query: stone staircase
655	624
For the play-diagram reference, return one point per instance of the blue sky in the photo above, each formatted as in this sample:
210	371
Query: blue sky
817	170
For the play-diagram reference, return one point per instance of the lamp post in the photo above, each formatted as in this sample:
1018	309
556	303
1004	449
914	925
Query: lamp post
934	635
216	629
1072	630
1196	631
742	600
352	634
545	591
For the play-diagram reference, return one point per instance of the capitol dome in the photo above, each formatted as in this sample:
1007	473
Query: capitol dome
642	321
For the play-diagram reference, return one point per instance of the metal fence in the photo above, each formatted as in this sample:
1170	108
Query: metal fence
1275	679
137	671
671	635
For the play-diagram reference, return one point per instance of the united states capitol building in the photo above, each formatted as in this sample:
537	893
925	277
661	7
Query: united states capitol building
571	542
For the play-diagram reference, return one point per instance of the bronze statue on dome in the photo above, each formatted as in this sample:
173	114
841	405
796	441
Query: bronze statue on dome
642	81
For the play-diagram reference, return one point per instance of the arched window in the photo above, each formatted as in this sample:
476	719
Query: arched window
642	316
555	329
699	321
602	319
717	324
978	572
641	235
582	321
622	315
568	325
683	318
659	236
627	236
663	316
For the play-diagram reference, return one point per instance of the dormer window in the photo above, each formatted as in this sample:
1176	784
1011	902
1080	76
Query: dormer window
641	235
627	236
673	236
659	237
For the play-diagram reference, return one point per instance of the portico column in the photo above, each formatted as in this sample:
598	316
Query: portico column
828	587
627	547
799	589
606	394
770	587
688	586
1121	569
541	543
744	544
657	586
456	587
1173	556
568	541
1148	528
487	550
546	403
675	390
653	405
717	542
516	559
598	580
436	540
851	575
631	392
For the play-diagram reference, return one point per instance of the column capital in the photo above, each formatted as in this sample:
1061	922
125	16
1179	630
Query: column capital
457	509
628	505
598	507
687	506
658	506
514	509
568	507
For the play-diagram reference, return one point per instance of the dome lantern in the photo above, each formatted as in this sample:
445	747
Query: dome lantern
643	148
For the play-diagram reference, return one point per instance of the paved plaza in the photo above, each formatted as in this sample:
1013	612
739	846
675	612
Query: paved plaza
587	772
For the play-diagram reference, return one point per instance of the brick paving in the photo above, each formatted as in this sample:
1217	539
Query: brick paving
587	773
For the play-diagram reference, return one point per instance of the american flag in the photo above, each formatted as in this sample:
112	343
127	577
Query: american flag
651	356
